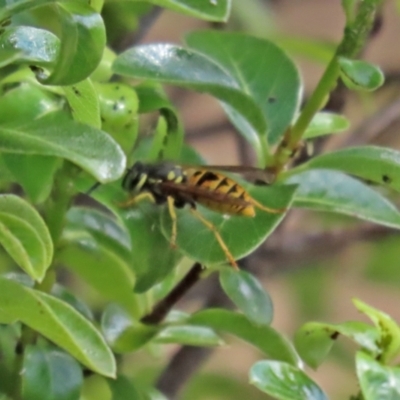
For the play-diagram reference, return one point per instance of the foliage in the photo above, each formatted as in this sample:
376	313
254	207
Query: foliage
71	115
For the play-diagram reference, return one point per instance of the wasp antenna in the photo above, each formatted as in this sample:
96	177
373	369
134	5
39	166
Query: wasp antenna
93	188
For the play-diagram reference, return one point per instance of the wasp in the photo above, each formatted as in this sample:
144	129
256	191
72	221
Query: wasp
178	186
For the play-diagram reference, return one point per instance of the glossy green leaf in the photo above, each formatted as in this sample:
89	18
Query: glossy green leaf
211	10
246	291
189	335
176	65
122	389
360	75
262	337
377	381
314	340
26	102
262	71
104	228
31	45
333	191
102	268
66	296
389	340
325	123
83	102
24	236
82	43
376	164
50	375
122	332
284	381
58	322
199	243
57	135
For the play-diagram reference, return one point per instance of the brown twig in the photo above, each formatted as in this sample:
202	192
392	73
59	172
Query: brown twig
164	306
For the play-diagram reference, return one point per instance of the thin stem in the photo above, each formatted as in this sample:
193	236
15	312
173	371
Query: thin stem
59	201
355	35
162	308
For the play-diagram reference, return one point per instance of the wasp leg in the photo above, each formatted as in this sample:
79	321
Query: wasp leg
217	235
267	209
137	199
172	213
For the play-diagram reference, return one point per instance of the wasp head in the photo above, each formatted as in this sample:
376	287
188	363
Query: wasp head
135	178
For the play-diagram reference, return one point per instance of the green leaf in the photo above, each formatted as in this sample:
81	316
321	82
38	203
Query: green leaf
360	75
123	389
103	71
56	135
326	123
95	387
142	223
176	65
376	164
66	296
262	71
333	191
376	380
389	341
30	45
246	291
9	337
25	236
24	167
102	268
167	143
262	337
212	10
284	382
153	258
50	375
107	231
314	340
83	102
122	332
199	243
189	335
26	102
58	322
82	43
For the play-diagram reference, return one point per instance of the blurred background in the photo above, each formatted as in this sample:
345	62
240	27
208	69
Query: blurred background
314	264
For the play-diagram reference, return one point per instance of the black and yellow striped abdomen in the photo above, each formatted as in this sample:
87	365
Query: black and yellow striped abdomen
214	182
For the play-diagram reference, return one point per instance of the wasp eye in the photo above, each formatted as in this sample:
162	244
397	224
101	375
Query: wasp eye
134	178
130	180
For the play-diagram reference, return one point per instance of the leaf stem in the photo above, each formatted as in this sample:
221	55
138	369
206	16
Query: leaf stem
355	35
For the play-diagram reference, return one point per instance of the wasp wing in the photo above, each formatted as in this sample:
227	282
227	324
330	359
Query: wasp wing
198	193
252	174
